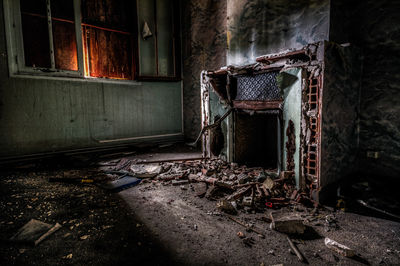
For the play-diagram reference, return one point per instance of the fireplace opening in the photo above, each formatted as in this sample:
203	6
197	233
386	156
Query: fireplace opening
256	139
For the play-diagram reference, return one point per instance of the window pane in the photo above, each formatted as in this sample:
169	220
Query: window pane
147	47
165	40
36	41
116	14
65	52
62	9
37	7
110	54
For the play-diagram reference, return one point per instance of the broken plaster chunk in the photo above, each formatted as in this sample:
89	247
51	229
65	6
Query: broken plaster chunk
247	201
242	178
34	232
269	183
240	234
339	248
288	224
200	189
212	192
146	170
226	206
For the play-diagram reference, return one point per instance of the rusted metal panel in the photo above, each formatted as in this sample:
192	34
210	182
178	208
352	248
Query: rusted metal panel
257	105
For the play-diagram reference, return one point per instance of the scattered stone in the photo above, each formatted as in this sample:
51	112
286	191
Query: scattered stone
269	183
84	237
200	189
22	250
248	241
287	223
339	248
242	178
212	192
146	170
241	234
261	177
247	201
34	232
271	252
69	256
226	206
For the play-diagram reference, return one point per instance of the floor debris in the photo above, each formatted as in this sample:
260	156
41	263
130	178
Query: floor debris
34	232
295	250
146	170
287	223
171	204
339	248
240	234
249	241
235	187
247	226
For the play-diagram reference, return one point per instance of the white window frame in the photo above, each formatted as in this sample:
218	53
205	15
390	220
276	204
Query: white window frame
15	43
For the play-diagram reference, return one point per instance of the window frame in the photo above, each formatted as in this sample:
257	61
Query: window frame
16	58
15	43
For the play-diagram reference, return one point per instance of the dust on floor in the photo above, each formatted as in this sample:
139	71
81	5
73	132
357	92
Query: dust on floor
160	224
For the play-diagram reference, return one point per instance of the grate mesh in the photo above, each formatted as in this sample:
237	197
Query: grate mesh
260	87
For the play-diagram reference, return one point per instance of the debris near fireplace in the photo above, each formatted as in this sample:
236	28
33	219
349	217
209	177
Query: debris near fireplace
234	187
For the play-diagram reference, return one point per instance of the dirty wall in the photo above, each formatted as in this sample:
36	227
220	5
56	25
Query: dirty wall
204	47
379	36
258	27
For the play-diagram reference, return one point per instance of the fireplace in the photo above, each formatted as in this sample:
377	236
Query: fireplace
286	112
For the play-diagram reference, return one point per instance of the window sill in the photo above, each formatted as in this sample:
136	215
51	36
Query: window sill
158	78
77	79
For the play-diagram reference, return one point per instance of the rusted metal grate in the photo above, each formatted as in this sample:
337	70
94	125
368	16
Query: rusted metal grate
260	87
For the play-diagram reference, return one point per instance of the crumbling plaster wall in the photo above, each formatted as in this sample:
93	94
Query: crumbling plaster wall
258	27
291	86
204	47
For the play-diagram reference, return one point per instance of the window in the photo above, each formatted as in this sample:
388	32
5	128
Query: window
113	39
159	38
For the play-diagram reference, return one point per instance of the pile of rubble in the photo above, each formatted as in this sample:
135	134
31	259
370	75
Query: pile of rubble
234	187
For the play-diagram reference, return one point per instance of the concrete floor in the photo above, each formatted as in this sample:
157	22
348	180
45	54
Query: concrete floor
196	234
156	224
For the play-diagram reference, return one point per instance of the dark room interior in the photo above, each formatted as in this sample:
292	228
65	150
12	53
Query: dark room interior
210	132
